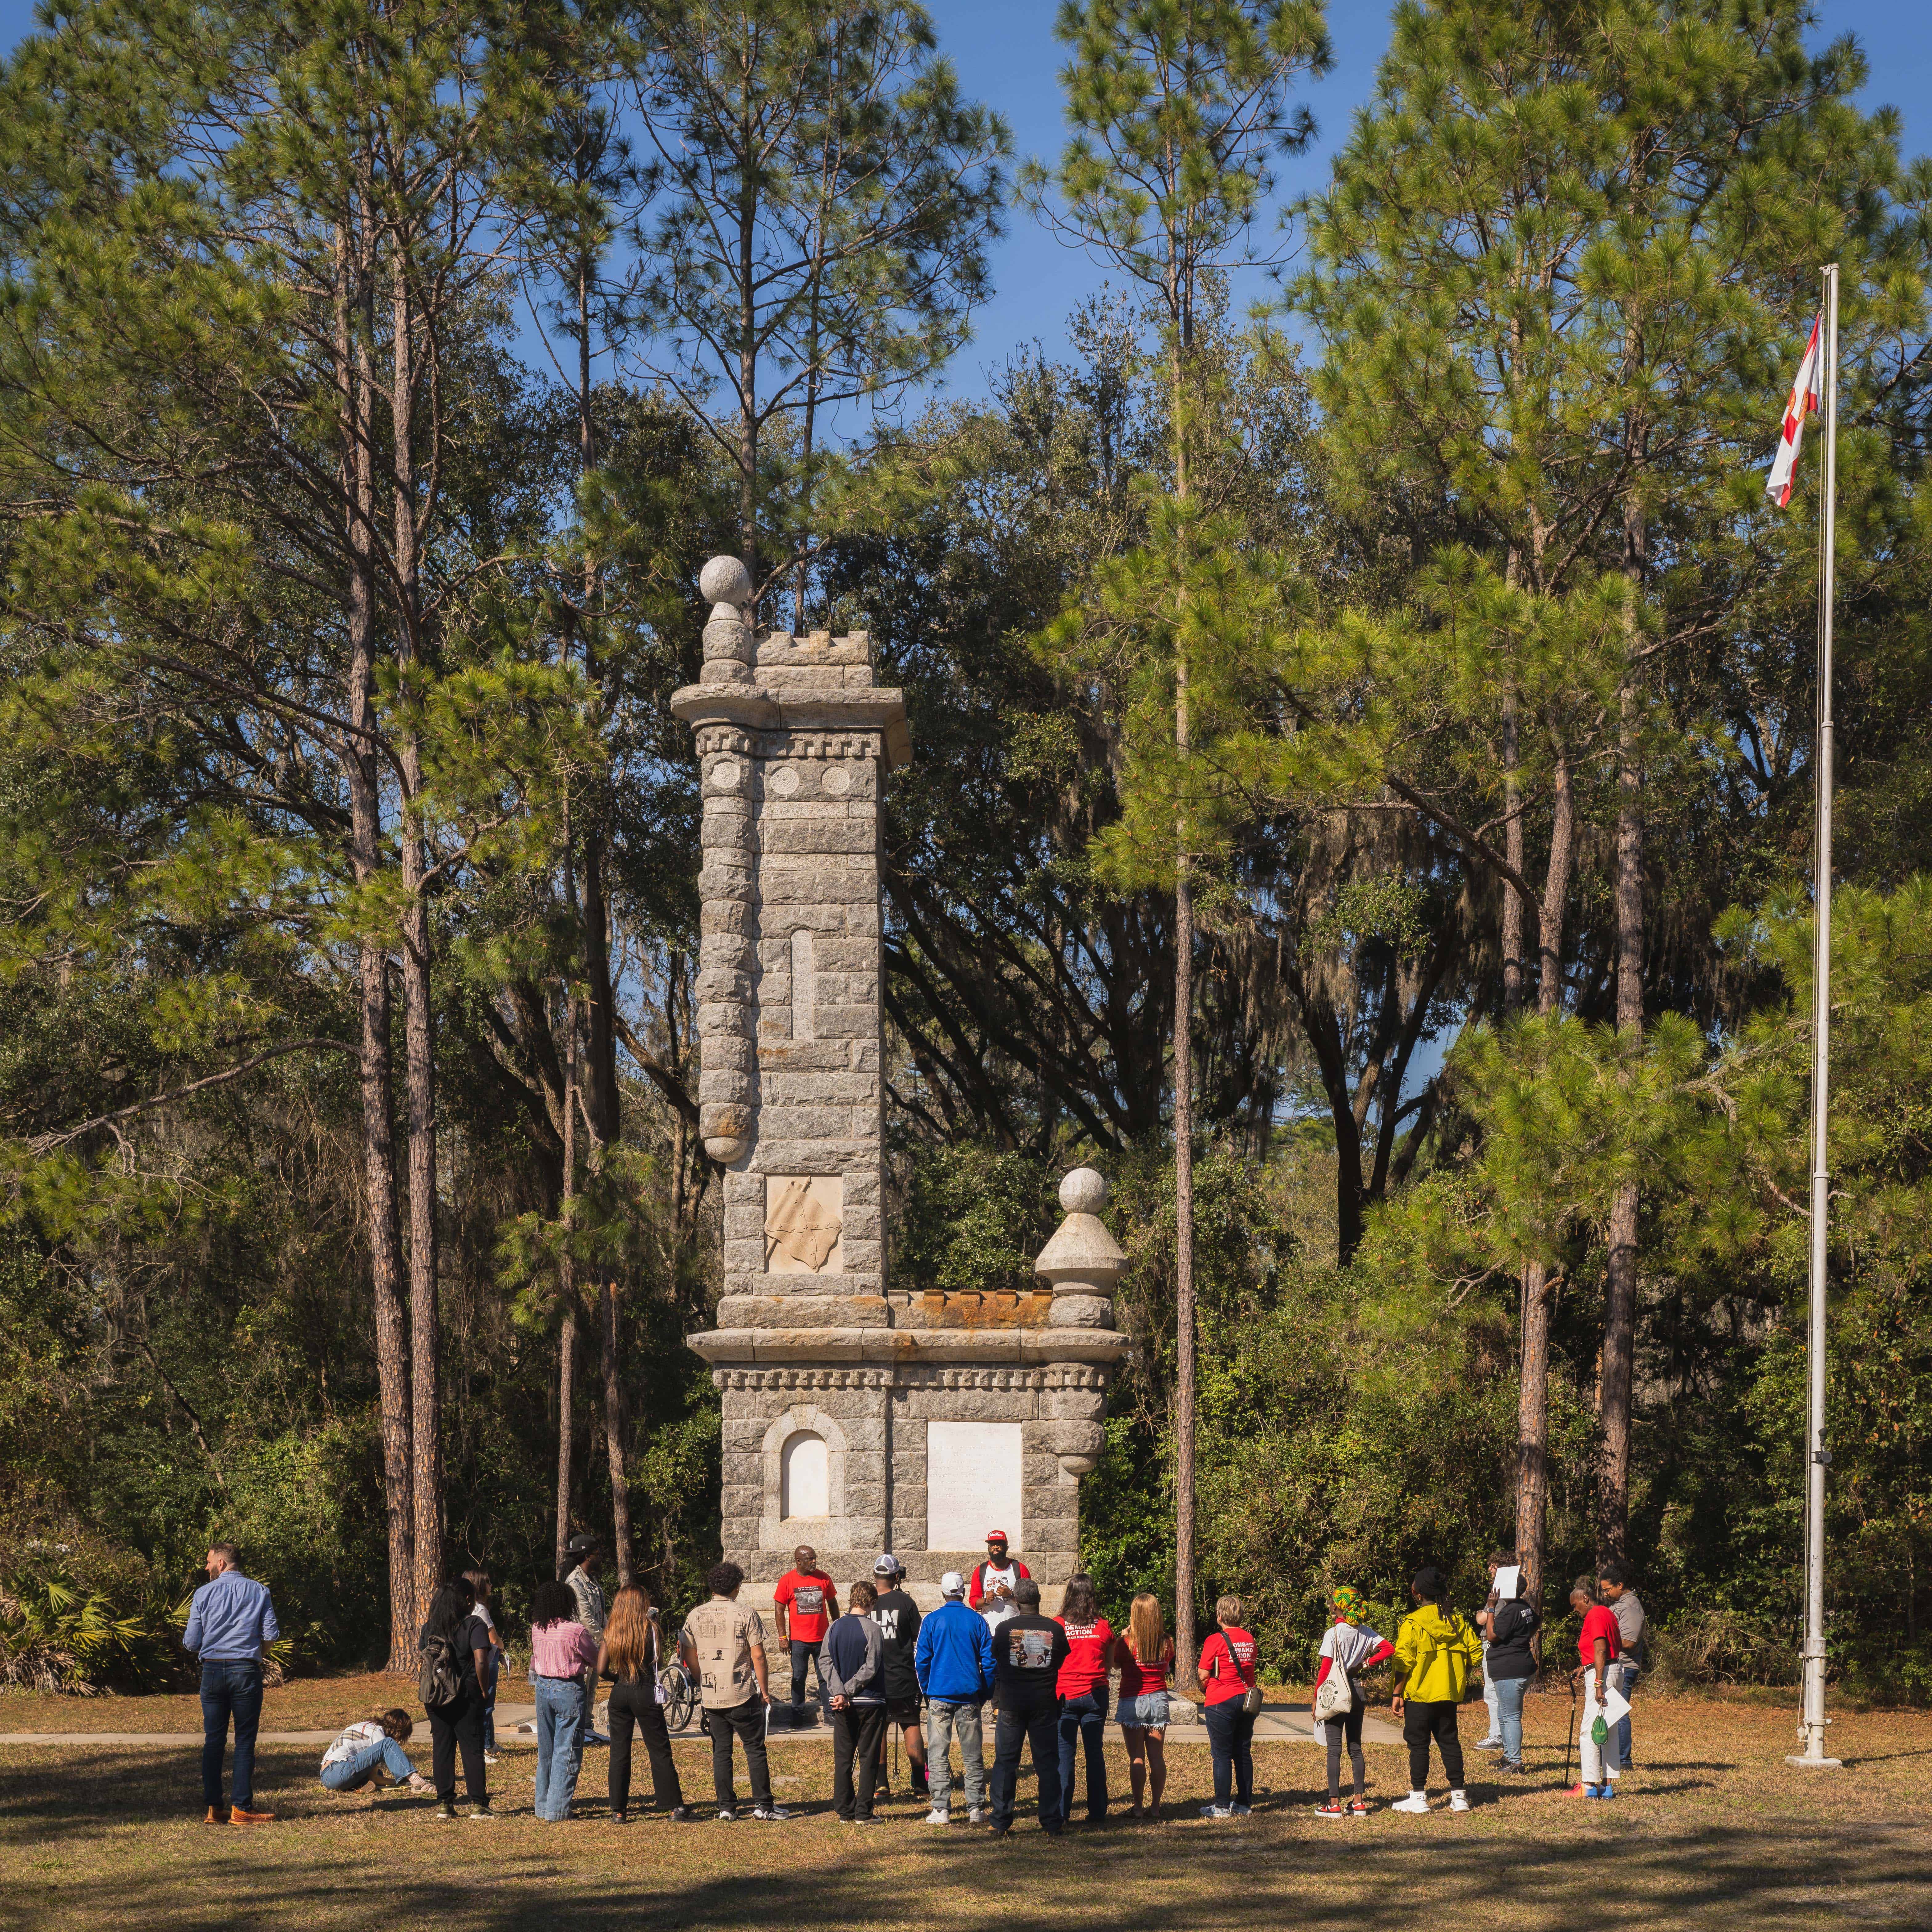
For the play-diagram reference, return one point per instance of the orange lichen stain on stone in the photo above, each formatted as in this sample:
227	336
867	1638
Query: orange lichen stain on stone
971	1309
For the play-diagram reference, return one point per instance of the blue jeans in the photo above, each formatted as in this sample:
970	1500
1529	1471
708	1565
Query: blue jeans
1231	1738
804	1657
1083	1720
1509	1713
1624	1676
231	1688
559	1744
352	1773
493	1666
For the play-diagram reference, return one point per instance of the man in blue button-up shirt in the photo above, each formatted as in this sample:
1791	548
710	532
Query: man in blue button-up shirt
229	1625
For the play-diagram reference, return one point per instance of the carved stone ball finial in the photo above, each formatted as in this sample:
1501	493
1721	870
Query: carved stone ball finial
1084	1192
724	580
727	636
1085	1263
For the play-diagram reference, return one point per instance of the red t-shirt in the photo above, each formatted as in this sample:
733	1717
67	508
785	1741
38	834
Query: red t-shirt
1599	1621
1143	1680
1085	1669
805	1594
1228	1664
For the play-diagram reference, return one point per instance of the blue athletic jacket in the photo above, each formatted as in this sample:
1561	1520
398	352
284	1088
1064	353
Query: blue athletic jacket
954	1655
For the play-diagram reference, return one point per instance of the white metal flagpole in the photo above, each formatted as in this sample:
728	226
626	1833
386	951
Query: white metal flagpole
1812	1720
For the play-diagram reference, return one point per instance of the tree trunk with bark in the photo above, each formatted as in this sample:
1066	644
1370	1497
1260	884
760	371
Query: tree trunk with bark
1185	1646
1532	1478
613	1433
1618	1376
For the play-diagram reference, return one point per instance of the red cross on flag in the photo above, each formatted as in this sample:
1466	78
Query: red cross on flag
1804	402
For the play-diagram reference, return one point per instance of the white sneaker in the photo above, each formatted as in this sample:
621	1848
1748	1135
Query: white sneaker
936	1817
491	1757
1489	1744
771	1814
1242	1810
1458	1802
1217	1810
1416	1803
975	1817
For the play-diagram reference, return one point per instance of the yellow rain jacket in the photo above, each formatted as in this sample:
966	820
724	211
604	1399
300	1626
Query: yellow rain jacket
1439	1652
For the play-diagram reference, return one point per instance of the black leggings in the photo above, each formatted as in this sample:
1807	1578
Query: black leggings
1348	1726
1421	1722
634	1700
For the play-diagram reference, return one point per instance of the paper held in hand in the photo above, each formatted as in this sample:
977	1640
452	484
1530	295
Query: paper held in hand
1509	1583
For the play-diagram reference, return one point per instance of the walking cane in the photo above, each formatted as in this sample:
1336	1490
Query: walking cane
1570	1738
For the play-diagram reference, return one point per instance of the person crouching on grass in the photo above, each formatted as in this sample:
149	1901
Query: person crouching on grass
1437	1649
371	1752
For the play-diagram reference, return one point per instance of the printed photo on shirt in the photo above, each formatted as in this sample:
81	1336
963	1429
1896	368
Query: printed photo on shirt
809	1599
1032	1650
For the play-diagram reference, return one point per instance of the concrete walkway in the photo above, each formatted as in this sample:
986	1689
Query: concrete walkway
1278	1723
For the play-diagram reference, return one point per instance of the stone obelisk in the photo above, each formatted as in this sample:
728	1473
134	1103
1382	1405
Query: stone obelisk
860	1414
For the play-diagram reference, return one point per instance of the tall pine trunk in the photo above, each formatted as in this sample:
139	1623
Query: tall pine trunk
1618	1371
1532	1471
354	375
613	1431
418	1020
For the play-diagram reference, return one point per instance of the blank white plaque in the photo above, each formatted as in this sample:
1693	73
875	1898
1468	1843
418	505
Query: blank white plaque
973	1484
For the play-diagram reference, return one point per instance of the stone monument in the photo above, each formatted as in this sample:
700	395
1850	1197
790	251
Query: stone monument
861	1414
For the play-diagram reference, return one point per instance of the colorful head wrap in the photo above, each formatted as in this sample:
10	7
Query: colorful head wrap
1347	1602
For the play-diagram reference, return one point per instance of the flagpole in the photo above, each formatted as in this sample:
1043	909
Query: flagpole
1817	1458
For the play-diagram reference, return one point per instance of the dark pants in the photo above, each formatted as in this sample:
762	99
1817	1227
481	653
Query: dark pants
745	1721
493	1669
634	1700
230	1689
1083	1720
1421	1722
1230	1737
1034	1727
456	1725
1347	1729
859	1730
803	1656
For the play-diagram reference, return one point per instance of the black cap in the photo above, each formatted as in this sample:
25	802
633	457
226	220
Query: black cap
581	1545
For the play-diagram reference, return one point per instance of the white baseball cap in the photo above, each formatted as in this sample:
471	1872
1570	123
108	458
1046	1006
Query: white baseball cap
888	1565
952	1584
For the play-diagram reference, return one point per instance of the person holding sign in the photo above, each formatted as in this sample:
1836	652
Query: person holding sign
1508	1625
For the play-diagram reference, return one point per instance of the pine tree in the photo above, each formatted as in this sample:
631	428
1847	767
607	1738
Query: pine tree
1572	337
1179	108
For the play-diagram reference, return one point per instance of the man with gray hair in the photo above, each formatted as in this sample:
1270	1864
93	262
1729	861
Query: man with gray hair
953	1660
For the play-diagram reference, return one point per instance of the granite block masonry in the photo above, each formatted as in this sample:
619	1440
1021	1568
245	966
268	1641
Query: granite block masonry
861	1413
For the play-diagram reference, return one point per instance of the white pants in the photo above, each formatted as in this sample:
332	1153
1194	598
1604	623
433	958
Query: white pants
1495	1730
1591	1755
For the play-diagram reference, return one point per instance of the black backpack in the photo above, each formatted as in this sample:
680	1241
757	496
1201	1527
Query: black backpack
440	1681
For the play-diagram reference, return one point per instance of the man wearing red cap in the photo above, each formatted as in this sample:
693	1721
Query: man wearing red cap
991	1590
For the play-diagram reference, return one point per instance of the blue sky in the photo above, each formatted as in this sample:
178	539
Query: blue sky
1007	56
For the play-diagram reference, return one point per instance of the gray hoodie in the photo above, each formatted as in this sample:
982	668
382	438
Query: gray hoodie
849	1658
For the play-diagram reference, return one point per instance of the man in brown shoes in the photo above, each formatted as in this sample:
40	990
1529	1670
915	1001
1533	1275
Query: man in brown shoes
230	1625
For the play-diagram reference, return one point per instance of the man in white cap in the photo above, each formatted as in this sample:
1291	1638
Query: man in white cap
954	1660
897	1616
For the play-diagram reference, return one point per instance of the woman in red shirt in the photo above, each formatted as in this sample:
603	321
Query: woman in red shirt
1083	1695
1229	1662
1144	1695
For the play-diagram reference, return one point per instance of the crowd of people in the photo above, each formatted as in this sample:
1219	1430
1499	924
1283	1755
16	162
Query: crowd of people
886	1672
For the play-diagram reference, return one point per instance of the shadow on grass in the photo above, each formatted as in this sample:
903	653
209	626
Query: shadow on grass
107	1839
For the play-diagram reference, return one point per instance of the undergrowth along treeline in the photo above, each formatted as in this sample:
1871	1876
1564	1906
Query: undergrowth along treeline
353	1206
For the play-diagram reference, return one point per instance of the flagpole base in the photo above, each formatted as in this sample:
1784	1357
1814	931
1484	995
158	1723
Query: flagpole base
1808	1763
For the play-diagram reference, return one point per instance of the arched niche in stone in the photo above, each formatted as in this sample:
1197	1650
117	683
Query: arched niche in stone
793	1446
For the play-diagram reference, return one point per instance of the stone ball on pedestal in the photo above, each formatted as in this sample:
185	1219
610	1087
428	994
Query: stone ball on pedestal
1083	1192
724	580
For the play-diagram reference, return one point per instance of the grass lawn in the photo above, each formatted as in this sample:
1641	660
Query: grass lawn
1712	1829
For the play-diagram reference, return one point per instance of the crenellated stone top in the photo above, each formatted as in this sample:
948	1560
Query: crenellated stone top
766	681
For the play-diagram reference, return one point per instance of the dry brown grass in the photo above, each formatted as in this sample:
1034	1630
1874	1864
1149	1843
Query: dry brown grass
1713	1829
